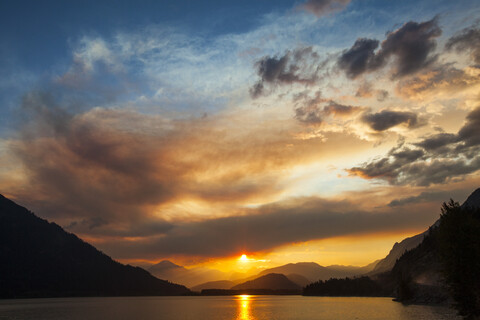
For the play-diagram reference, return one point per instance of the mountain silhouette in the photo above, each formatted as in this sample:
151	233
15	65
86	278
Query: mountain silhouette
314	272
298	279
420	272
188	277
40	259
473	200
442	265
301	273
271	281
221	284
399	248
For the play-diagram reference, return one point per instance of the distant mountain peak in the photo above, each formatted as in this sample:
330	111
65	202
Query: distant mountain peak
167	264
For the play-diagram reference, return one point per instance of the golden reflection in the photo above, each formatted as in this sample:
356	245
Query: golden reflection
244	307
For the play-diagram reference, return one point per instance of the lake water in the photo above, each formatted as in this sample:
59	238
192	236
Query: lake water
218	308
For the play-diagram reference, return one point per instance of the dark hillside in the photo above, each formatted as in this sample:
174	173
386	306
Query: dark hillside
40	259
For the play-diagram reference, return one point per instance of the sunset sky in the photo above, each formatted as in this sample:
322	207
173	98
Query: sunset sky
198	131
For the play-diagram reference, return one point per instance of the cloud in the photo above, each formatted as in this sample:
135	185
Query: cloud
387	168
293	67
437	196
411	46
324	7
311	115
110	175
437	141
442	79
311	111
469	134
114	172
468	40
382	95
117	165
366	90
436	159
271	226
340	110
386	119
360	58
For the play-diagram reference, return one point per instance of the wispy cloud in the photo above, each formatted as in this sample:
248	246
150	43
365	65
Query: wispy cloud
324	7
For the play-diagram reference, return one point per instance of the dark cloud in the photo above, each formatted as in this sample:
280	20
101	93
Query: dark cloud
323	7
469	134
411	46
293	67
360	58
387	168
386	119
257	90
407	155
438	141
271	226
441	158
468	40
311	115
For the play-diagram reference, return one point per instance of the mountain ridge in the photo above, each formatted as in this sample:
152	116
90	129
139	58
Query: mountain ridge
40	259
399	248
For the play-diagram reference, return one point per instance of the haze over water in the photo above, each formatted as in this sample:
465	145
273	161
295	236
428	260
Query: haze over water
219	308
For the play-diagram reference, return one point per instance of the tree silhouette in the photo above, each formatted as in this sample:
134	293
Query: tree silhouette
459	245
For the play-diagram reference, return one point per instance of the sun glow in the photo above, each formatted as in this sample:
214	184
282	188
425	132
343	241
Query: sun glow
244	258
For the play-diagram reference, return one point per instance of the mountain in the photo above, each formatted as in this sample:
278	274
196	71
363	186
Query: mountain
443	265
417	276
314	272
298	279
354	270
271	281
398	249
164	267
221	284
447	262
40	259
188	277
473	200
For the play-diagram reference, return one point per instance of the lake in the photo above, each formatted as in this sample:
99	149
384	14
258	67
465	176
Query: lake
218	308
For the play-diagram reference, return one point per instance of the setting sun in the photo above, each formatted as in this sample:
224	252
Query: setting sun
244	258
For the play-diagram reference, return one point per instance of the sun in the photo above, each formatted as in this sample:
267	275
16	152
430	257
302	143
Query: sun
243	258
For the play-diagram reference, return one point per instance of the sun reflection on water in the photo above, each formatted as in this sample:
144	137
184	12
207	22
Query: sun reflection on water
244	307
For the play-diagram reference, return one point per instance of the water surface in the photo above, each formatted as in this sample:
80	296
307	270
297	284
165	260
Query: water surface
219	308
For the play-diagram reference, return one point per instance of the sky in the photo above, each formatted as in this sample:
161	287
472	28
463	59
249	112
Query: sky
198	131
